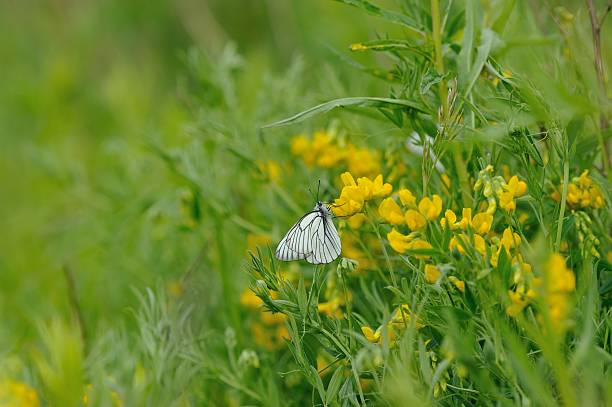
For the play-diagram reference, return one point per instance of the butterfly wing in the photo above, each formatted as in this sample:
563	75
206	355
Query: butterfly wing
325	241
297	243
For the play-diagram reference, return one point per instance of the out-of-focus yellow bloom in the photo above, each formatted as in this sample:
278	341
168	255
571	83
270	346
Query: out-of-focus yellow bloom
174	288
362	161
115	399
356	220
299	144
255	240
518	302
415	220
399	242
390	211
407	198
331	308
457	283
249	299
446	181
431	208
560	282
432	274
270	169
17	394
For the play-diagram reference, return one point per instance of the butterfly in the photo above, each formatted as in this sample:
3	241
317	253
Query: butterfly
313	238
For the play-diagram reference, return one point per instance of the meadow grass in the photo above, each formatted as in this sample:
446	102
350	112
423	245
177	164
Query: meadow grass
467	158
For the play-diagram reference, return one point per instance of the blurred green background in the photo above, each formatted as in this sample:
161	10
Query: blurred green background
86	86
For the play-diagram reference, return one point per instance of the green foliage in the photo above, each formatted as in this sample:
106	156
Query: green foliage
147	175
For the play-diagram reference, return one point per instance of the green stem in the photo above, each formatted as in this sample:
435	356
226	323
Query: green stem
563	203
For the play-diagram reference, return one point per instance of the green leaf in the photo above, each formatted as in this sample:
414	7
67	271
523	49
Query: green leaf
391	16
365	101
334	384
504	14
481	57
390	45
467	44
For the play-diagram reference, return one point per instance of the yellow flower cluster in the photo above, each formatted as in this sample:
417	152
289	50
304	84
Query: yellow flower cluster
355	194
401	318
414	216
17	394
269	331
582	193
324	150
496	189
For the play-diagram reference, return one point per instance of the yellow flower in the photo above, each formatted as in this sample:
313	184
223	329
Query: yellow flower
415	220
347	179
390	211
402	316
431	208
450	220
350	202
510	239
466	218
432	274
370	335
457	283
481	223
506	201
374	189
399	242
516	187
419	244
407	198
478	244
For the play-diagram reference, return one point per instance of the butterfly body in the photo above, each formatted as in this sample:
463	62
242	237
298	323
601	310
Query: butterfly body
313	238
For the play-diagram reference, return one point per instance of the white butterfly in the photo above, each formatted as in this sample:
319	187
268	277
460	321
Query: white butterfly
313	238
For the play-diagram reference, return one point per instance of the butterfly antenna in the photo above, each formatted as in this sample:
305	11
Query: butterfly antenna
318	188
